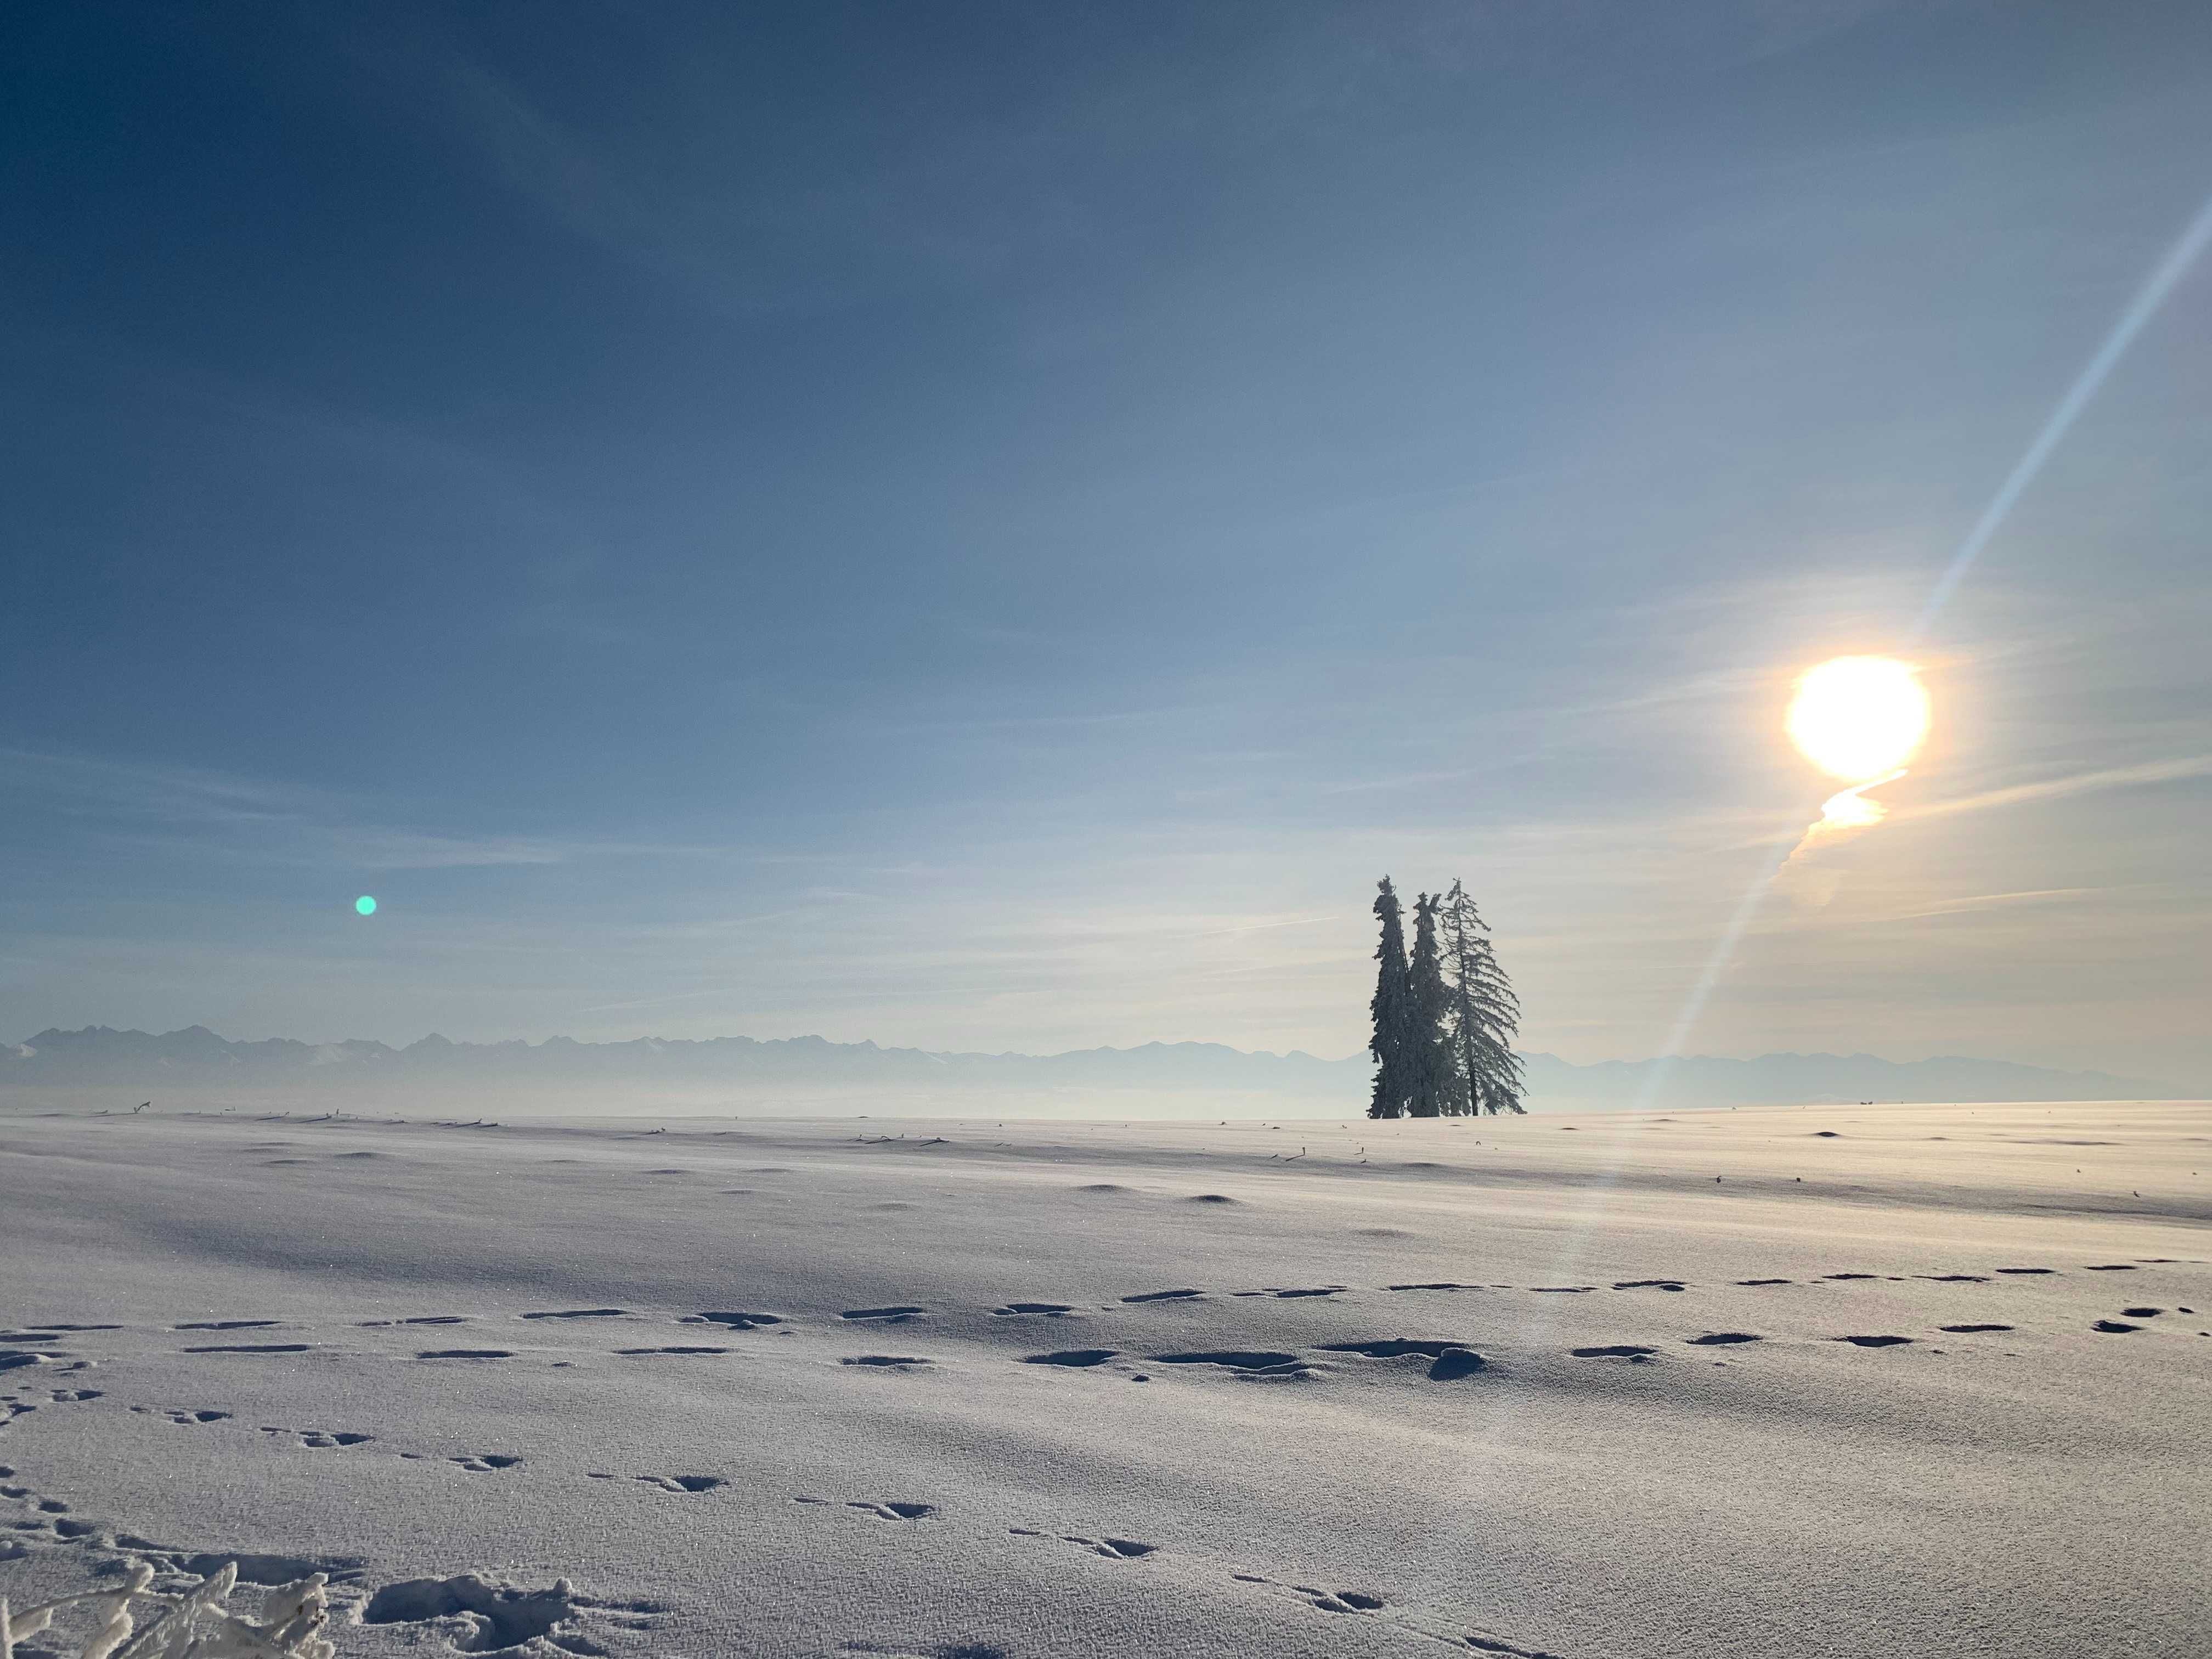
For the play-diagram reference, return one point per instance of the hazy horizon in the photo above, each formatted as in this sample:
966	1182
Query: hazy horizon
403	1043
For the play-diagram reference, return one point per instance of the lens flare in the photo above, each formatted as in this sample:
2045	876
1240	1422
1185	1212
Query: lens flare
1859	718
1854	809
364	906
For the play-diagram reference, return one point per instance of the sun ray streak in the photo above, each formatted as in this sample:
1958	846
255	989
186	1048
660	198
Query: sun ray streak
2162	281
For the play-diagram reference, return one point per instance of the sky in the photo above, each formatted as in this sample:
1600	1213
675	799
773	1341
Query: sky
990	526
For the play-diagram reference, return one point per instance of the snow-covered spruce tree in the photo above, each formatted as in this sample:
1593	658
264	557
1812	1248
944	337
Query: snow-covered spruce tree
1429	1072
1483	1015
1392	1010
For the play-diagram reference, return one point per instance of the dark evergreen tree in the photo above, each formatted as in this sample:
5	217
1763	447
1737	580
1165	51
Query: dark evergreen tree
1483	1015
1429	1072
1393	1010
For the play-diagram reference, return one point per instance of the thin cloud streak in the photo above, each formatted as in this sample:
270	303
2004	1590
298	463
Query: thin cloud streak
2081	783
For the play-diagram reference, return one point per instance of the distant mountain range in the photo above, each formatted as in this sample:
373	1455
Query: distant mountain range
811	1075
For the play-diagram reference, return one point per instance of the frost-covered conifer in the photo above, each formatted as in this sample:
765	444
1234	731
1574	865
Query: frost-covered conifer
1393	1010
1483	1016
1429	1072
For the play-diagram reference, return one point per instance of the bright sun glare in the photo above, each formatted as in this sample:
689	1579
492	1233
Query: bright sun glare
1857	718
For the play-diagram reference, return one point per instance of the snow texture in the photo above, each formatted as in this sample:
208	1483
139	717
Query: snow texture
1814	1384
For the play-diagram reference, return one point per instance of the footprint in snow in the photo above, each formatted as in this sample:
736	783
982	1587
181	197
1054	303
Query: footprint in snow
894	1511
581	1313
1245	1362
1449	1361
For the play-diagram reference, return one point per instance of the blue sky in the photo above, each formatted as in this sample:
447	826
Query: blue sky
989	527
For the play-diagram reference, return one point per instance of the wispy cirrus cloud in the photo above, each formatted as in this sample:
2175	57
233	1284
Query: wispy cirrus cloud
220	815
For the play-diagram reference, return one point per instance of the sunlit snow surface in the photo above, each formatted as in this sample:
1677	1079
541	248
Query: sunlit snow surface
1833	1381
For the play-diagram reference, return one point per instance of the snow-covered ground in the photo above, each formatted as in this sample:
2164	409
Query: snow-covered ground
1836	1381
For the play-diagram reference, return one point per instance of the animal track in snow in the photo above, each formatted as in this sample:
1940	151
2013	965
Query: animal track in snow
2143	1313
253	1347
2028	1272
1764	1281
581	1313
500	1619
1245	1362
1723	1339
1634	1353
736	1321
1114	1549
485	1463
1163	1295
465	1353
1873	1341
1077	1357
2113	1267
683	1483
435	1319
2113	1327
229	1325
886	1361
1434	1284
184	1418
1969	1330
323	1437
674	1349
900	1315
1648	1285
891	1511
1049	1309
1341	1600
1450	1360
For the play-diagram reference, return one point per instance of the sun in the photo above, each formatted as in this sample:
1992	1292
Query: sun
1857	718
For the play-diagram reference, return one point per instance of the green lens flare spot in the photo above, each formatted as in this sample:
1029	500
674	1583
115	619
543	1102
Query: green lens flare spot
365	905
